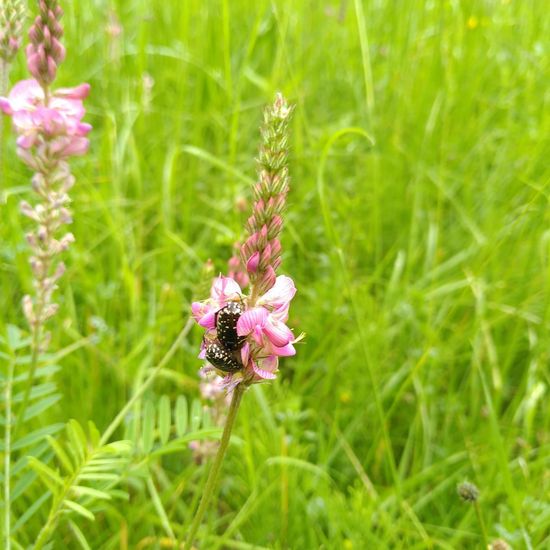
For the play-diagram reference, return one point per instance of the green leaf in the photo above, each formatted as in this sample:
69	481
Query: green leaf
60	453
165	419
181	415
147	432
81	490
99	476
39	390
34	437
16	340
23	483
50	477
30	511
95	436
77	440
40	372
122	447
79	509
79	535
40	406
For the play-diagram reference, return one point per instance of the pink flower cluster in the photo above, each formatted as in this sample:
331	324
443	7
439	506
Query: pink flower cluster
52	125
262	327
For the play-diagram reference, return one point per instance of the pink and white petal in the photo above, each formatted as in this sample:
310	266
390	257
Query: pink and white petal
249	320
26	141
262	373
75	146
223	289
270	363
245	353
199	310
281	313
78	92
280	294
285	351
278	333
25	95
258	335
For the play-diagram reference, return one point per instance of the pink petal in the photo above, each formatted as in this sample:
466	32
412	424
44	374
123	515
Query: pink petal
253	262
270	363
251	319
245	353
278	333
76	146
5	106
258	335
285	351
223	289
25	93
280	294
79	92
208	321
266	375
25	141
199	309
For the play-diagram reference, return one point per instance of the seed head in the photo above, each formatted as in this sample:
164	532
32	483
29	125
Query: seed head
467	491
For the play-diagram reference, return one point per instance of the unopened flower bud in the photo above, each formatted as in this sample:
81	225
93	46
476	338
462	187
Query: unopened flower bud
253	262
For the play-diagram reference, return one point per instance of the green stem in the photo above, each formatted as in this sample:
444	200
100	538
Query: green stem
481	524
47	529
7	459
216	466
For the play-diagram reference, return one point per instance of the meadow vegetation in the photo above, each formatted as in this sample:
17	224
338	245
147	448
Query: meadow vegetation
416	231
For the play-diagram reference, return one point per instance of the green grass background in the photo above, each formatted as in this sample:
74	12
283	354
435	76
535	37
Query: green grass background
417	234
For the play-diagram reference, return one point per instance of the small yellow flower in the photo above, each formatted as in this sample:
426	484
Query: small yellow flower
345	397
472	22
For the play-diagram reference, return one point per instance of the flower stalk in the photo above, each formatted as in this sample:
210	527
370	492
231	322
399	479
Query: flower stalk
247	333
49	129
214	474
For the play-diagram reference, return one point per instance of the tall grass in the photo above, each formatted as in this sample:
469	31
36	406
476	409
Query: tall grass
417	233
